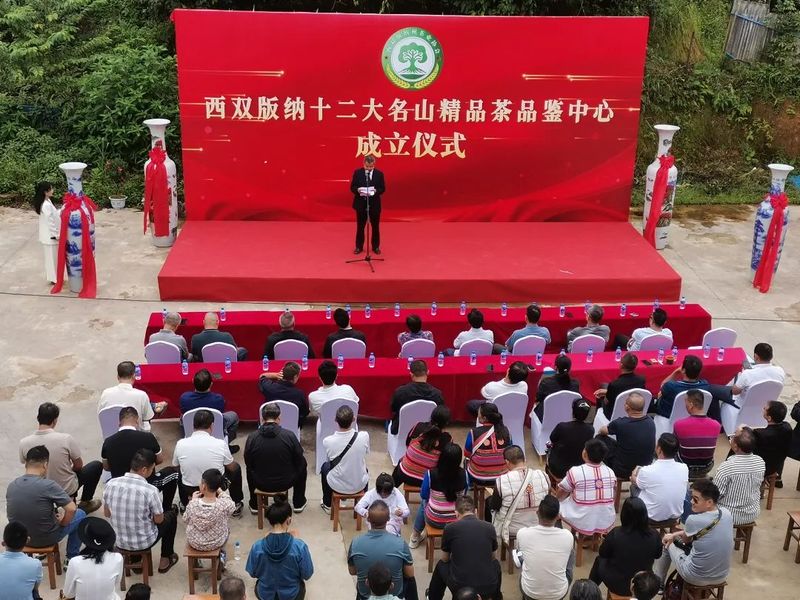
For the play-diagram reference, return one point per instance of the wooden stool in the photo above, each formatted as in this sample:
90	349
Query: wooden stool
618	492
508	547
666	526
408	490
743	533
793	533
592	541
768	485
479	494
431	535
53	556
262	501
703	592
146	564
335	508
214	570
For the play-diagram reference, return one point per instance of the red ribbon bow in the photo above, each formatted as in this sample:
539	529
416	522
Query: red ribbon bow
157	195
657	200
769	256
73	202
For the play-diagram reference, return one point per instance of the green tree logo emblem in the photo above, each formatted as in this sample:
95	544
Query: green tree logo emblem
412	58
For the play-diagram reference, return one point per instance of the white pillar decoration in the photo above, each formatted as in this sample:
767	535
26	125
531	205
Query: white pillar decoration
665	135
157	129
764	215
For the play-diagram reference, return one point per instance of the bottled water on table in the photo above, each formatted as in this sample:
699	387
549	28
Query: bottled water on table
683	303
660	358
340	362
304	362
562	310
222	315
237	551
462	309
184	368
328	312
721	354
371	360
706	350
408	362
440	359
675	353
473	359
503	357
503	309
434	308
538	359
227	365
589	355
137	372
348	308
265	363
396	309
367	311
586	306
164	315
618	354
623	310
656	304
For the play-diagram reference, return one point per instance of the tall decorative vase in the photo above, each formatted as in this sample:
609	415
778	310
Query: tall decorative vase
764	216
157	129
665	135
74	240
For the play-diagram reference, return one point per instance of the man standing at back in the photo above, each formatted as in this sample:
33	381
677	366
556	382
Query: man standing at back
287	332
170	334
417	389
211	334
342	320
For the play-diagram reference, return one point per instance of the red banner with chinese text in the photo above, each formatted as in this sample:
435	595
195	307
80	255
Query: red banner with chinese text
471	118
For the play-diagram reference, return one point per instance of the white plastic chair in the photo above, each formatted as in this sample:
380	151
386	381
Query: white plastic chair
665	425
349	348
557	409
619	408
290	350
109	420
530	345
217	352
326	424
419	348
217	429
478	346
657	341
512	405
412	413
290	415
582	344
162	353
752	405
721	337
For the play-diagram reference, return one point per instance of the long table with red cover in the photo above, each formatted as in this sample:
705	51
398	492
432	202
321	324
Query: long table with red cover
457	379
251	328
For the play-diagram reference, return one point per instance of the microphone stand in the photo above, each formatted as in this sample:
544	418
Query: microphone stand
368	257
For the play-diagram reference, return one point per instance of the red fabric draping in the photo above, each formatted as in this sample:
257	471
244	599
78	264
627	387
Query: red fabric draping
157	194
657	201
766	268
74	202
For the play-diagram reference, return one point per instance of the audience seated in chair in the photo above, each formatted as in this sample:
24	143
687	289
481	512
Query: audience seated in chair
124	394
280	561
697	436
661	485
65	467
118	451
592	327
484	446
774	442
532	327
97	571
568	439
203	397
468	548
283	386
135	510
342	320
587	493
386	491
658	318
635	434
762	370
550	384
684	378
345	470
415	331
329	390
379	546
32	500
423	447
207	514
739	478
201	451
211	334
287	332
627	380
232	588
475	332
21	574
417	389
515	380
169	333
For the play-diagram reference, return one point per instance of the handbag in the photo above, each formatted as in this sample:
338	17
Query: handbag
330	465
505	525
673	587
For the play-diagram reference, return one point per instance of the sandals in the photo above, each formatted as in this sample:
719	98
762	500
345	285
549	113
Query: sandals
173	560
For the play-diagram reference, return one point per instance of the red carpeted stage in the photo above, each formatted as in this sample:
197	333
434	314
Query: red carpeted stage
230	261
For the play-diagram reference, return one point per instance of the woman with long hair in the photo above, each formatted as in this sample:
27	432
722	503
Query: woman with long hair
627	549
96	572
484	446
441	487
279	561
424	445
560	381
49	227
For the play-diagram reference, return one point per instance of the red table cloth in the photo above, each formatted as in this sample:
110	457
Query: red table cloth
251	328
457	379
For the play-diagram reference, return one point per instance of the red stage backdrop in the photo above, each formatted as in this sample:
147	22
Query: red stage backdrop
471	118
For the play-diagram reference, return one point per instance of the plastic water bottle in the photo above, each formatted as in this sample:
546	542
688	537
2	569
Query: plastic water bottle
563	352
538	359
660	358
683	303
367	311
371	360
227	365
586	306
462	309
237	551
184	368
340	362
440	359
623	309
503	309
434	308
137	372
562	310
589	355
618	354
265	363
222	315
473	359
675	353
656	304
408	362
706	350
164	315
503	356
328	312
721	354
348	308
304	362
396	309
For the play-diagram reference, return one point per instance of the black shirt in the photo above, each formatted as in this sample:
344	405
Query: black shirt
624	553
288	334
471	543
119	449
277	389
635	443
340	335
274	458
550	385
568	440
773	443
623	383
415	390
206	337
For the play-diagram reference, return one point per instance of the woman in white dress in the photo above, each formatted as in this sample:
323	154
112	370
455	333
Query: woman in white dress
49	227
96	572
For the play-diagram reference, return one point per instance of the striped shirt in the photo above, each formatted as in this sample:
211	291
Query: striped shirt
739	481
697	440
485	454
133	503
589	508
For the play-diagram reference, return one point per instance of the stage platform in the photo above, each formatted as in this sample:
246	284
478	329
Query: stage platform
239	261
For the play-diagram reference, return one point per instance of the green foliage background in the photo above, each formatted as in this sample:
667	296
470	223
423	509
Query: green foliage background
77	77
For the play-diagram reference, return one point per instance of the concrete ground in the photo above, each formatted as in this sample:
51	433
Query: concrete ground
64	349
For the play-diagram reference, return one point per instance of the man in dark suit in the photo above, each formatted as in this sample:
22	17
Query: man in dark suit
627	380
287	332
210	334
774	442
367	177
342	320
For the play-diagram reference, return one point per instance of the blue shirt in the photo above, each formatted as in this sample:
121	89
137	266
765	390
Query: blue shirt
529	329
192	400
378	545
19	574
279	562
671	389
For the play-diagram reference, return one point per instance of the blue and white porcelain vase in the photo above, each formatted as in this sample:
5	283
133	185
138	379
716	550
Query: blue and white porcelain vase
665	135
158	128
764	215
74	239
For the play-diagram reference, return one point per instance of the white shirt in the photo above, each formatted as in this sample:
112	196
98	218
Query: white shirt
663	488
475	333
545	555
395	500
350	475
494	388
330	392
49	222
638	335
197	453
124	394
759	372
87	580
